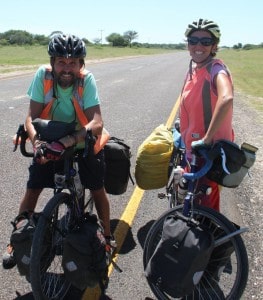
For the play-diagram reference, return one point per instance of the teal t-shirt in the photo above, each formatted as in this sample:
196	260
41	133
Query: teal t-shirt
63	109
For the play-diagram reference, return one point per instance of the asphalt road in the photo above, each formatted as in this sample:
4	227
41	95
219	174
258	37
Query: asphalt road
137	94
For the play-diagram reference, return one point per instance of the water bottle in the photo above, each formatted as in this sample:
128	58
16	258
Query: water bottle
78	185
182	189
178	173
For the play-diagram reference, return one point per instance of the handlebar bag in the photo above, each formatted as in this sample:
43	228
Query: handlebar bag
231	170
49	130
180	258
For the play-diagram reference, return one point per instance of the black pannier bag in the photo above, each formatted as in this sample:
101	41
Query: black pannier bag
84	258
181	256
231	163
117	160
21	240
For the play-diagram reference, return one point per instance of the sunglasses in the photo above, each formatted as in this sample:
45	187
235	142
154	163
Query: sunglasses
205	41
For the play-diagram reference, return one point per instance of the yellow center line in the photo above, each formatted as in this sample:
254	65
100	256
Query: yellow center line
127	217
171	118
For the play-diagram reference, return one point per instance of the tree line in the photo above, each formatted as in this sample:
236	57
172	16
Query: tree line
21	37
127	39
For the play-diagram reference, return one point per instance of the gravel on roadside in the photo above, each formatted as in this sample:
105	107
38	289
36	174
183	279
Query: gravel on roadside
248	127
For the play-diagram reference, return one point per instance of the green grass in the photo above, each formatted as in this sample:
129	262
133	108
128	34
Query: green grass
246	67
35	55
18	55
98	52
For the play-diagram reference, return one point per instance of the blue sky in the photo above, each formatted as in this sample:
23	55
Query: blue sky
155	21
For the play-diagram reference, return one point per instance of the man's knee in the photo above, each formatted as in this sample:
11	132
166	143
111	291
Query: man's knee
98	194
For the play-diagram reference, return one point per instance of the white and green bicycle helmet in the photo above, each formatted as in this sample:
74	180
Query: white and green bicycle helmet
206	25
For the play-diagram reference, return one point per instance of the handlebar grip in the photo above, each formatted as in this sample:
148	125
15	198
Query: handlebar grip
20	139
23	149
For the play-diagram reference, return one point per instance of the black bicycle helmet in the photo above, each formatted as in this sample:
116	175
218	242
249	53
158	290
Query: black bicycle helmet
69	46
203	24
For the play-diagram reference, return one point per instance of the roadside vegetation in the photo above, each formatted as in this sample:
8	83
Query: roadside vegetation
35	55
246	67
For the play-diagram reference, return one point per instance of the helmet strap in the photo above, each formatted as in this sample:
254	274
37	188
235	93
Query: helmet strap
191	69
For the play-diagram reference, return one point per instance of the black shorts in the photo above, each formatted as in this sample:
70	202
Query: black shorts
91	171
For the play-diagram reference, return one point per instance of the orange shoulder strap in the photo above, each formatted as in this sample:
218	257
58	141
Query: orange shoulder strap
80	113
102	139
45	112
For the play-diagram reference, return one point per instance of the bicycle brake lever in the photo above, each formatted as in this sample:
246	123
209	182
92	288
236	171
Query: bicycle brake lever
89	143
18	135
86	150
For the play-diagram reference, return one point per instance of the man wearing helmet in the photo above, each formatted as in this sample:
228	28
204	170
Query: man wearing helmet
206	105
62	92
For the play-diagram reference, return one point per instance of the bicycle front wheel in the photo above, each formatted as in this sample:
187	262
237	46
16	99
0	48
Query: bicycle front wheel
46	272
222	279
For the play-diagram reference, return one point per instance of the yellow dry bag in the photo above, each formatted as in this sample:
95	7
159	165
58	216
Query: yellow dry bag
153	157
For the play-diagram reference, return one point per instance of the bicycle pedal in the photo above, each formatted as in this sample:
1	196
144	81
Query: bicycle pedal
161	195
114	264
116	267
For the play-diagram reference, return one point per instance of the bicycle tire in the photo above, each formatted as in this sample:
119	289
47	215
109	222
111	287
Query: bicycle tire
46	272
231	286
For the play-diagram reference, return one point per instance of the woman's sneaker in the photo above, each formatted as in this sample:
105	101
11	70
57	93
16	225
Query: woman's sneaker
9	260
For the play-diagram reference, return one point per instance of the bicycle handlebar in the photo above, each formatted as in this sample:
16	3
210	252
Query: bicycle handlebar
21	140
23	149
202	172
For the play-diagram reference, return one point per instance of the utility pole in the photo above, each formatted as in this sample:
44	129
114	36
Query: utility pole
101	30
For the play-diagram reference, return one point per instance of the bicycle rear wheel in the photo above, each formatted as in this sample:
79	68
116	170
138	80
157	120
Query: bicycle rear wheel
220	280
46	272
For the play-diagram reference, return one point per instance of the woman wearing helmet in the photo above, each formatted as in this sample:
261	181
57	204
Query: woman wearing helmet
65	91
206	106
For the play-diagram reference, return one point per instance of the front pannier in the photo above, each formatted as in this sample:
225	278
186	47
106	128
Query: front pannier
181	257
84	255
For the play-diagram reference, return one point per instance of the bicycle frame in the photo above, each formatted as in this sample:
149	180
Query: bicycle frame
192	184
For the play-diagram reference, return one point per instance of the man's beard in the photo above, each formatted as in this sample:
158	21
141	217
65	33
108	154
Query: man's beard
65	80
